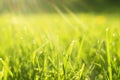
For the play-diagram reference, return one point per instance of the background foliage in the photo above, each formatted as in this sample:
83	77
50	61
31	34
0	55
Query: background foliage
47	5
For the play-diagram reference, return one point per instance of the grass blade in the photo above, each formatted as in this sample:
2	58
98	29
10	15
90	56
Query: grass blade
108	54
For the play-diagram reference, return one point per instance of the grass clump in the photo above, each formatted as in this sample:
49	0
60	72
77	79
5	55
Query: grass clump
59	47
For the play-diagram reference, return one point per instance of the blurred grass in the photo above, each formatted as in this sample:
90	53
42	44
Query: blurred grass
59	46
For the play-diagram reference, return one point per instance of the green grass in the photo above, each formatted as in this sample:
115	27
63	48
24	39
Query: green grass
63	46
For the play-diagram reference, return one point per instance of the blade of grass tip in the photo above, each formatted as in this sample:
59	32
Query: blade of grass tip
38	49
68	53
81	71
80	47
82	42
108	54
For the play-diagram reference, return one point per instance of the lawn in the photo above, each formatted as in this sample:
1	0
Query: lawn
60	46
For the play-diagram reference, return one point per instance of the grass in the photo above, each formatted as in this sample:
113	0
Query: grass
61	46
108	54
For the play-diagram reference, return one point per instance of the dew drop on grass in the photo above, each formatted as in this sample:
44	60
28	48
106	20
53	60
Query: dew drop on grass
114	35
73	42
107	29
0	59
114	59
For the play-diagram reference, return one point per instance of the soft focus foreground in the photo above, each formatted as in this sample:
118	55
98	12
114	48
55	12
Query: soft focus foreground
59	43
